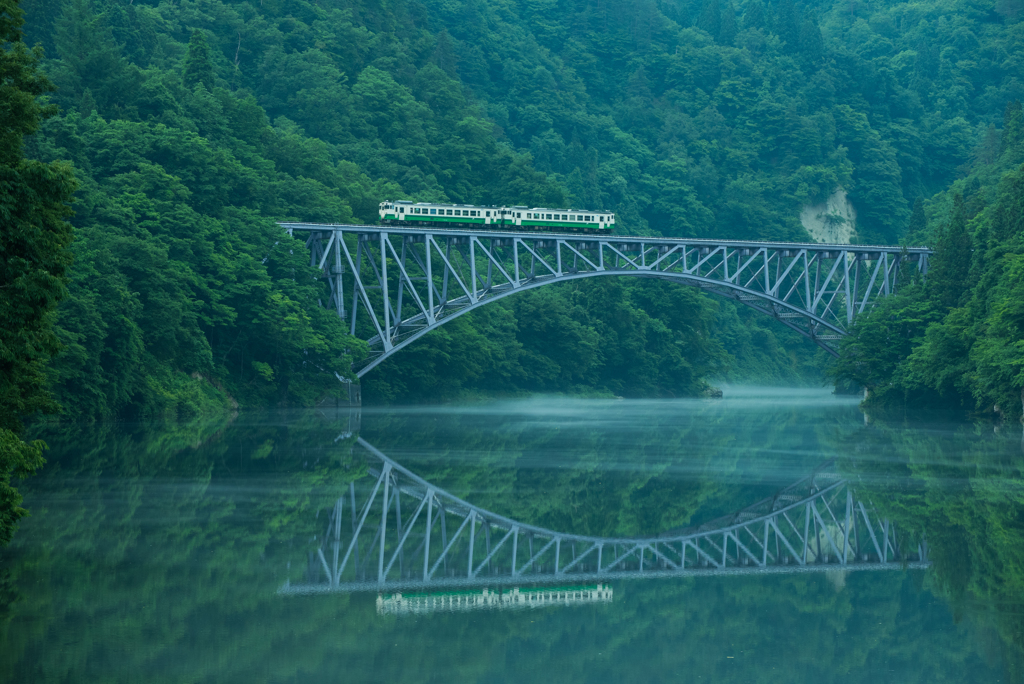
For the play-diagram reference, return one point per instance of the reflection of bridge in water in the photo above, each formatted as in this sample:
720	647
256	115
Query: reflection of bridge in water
394	531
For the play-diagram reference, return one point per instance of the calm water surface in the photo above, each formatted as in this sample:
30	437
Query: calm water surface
159	553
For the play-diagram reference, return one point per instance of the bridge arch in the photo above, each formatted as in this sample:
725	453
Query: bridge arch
817	523
402	283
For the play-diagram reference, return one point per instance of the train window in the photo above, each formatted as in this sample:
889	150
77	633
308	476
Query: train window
433	211
488	213
519	215
401	210
458	212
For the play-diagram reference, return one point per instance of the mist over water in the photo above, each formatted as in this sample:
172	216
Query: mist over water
156	552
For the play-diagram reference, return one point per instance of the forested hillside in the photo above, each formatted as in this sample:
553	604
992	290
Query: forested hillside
956	340
194	126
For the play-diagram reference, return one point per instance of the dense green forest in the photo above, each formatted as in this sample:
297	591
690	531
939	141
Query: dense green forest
956	340
194	126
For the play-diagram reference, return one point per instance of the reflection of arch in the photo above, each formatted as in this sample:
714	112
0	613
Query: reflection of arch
405	282
394	530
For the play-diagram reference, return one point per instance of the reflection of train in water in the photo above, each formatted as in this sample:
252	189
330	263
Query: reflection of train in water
526	597
525	219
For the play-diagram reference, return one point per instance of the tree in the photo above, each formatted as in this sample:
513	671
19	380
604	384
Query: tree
198	66
753	16
812	47
1013	124
951	262
918	221
789	25
710	18
444	55
727	30
34	259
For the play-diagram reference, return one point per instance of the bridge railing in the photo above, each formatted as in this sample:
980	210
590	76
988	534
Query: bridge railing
392	285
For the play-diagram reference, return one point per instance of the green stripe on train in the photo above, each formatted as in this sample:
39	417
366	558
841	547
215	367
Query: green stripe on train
453	219
560	224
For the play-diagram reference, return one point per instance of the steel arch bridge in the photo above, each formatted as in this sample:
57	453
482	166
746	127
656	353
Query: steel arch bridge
397	284
395	531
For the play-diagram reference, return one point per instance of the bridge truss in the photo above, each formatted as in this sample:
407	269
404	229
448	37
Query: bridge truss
393	285
394	531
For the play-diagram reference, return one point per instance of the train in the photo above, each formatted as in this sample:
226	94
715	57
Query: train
514	218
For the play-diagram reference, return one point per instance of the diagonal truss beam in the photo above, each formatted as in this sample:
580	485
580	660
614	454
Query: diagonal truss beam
839	530
406	282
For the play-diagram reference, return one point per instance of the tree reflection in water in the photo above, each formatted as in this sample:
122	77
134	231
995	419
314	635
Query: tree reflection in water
156	553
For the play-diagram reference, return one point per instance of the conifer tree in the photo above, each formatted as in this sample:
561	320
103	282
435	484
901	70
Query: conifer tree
198	65
727	32
710	19
34	259
812	47
789	25
951	262
444	54
753	15
918	221
1013	124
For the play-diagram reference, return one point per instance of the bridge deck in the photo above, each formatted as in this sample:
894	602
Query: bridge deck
467	232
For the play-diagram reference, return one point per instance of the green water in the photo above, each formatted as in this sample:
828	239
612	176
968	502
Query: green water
155	553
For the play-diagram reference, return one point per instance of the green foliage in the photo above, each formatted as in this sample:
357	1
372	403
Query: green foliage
593	336
198	67
18	458
194	130
951	263
34	259
956	341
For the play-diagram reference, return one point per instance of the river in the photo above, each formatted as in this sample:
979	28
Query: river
192	552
